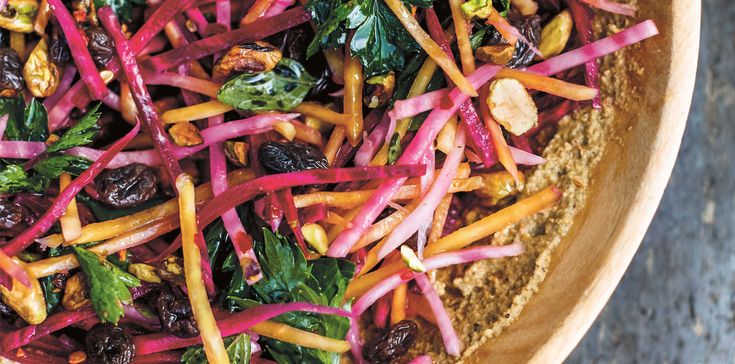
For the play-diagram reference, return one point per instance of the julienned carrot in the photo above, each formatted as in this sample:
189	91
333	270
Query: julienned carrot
307	134
398	304
256	11
214	347
496	135
335	61
353	97
322	113
550	85
462	30
13	270
71	226
293	335
196	112
352	199
440	219
194	84
430	47
459	239
103	230
333	144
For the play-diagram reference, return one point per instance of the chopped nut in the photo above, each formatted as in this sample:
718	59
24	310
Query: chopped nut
555	34
77	357
512	106
171	269
185	134
379	89
27	302
18	15
499	54
316	237
237	153
107	76
252	57
498	187
144	272
412	261
286	129
525	7
41	75
76	293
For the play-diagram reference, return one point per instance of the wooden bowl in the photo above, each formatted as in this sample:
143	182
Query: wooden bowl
627	186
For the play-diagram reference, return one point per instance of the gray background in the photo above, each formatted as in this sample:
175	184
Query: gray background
676	303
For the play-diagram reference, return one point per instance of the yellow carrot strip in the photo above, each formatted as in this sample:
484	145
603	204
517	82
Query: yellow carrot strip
214	347
18	44
430	47
322	113
440	218
418	87
333	144
128	109
108	229
256	11
398	304
335	61
352	199
307	134
463	37
71	226
195	112
459	239
496	135
353	96
333	218
42	16
550	85
49	266
346	221
293	335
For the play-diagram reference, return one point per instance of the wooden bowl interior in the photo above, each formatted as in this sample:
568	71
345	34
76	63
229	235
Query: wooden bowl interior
626	189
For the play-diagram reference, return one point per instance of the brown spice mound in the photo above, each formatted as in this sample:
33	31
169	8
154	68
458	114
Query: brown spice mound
485	297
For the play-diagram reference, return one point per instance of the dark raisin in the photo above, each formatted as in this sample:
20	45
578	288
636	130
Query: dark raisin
11	78
59	48
59	280
175	312
393	344
530	27
283	157
551	6
109	344
11	215
100	45
127	186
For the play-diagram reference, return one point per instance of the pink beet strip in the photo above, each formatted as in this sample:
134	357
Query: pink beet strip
195	16
435	262
525	158
423	139
13	270
612	7
425	209
452	344
278	7
79	52
353	337
216	43
184	82
416	105
423	359
45	222
373	142
381	311
347	151
583	16
3	125
230	325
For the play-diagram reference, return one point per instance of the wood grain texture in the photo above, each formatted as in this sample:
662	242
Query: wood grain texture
626	189
676	303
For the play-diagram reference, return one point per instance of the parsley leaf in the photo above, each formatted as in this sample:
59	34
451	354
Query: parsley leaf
108	285
282	88
289	277
25	123
14	179
122	8
54	166
237	347
83	132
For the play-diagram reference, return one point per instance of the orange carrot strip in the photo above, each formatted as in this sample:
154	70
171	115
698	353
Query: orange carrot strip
430	47
496	134
214	347
440	218
463	37
333	144
353	97
398	304
550	85
322	113
459	239
256	11
71	226
195	112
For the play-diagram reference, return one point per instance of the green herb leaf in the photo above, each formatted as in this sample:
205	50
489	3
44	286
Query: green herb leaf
122	8
14	179
108	285
237	347
394	148
280	89
83	132
52	167
25	123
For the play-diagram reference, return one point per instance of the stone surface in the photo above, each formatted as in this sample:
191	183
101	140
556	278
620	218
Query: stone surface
676	303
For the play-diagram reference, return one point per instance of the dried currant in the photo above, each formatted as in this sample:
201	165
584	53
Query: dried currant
175	312
11	215
100	45
59	48
127	186
393	344
530	27
284	157
11	77
109	344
